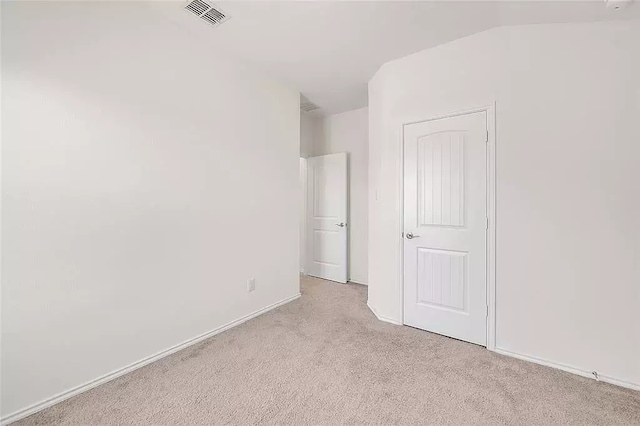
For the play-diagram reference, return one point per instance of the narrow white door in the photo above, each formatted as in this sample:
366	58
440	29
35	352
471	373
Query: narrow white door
327	217
445	223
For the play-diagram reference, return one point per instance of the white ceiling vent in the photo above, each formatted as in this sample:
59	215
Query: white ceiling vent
306	105
207	12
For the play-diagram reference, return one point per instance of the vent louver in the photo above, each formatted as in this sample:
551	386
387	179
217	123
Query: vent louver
207	12
307	106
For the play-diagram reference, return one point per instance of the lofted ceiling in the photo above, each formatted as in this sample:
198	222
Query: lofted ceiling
330	50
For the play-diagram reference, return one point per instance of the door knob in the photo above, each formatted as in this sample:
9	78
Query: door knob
341	224
410	236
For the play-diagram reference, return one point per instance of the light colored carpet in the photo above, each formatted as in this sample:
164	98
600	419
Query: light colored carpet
325	359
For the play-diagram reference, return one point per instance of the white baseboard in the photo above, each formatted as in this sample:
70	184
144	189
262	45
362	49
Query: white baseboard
358	282
570	369
134	366
381	318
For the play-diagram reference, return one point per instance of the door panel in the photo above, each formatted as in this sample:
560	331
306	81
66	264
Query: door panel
440	177
441	279
327	210
445	226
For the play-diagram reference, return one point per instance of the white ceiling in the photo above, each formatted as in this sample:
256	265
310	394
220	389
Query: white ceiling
330	50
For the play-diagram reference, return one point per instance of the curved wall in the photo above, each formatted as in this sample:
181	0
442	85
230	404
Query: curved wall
567	102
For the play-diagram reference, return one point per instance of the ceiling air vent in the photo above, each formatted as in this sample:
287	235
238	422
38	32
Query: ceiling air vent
207	12
306	105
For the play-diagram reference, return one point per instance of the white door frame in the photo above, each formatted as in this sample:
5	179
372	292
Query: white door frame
491	211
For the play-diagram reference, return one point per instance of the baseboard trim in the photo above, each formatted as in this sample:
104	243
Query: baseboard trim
570	369
358	282
134	366
381	318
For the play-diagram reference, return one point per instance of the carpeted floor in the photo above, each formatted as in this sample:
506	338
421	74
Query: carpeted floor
324	359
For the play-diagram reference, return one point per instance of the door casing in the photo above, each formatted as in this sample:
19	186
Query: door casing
490	209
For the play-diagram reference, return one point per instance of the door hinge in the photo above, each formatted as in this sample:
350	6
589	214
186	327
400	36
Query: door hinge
487	224
487	311
486	137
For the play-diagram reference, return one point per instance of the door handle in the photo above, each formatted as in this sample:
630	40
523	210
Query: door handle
410	236
341	224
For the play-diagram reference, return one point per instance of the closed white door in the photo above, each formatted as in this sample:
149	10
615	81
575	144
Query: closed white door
445	225
327	217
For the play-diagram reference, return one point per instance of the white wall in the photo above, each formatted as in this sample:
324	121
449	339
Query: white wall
309	131
302	220
568	235
348	132
144	181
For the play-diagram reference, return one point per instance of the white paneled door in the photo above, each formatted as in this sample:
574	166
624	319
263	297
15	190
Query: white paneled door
327	217
445	225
